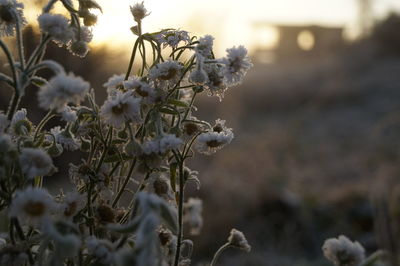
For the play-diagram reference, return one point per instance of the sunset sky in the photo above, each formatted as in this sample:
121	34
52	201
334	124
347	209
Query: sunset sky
230	21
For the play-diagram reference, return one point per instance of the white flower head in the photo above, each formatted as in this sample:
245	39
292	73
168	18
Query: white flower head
205	46
57	26
198	75
79	173
166	73
65	138
61	90
68	115
161	145
215	85
172	38
211	141
113	83
237	63
71	204
193	209
11	13
238	240
142	89
32	206
169	142
342	252
35	162
121	108
139	12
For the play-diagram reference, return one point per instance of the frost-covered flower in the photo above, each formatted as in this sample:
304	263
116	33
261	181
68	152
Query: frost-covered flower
102	249
211	141
32	205
169	142
65	138
142	89
161	145
172	38
238	240
121	108
10	14
68	115
80	173
192	126
20	124
35	162
193	209
198	75
78	48
139	12
71	204
342	252
237	63
216	85
205	45
3	122
160	185
61	90
113	84
166	73
57	26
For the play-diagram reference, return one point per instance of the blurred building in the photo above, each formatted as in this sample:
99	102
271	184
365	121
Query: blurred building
298	42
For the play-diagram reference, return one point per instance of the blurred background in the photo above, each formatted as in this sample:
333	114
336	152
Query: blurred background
317	120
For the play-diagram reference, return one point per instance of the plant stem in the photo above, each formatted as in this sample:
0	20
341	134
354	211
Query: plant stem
10	61
41	124
19	41
218	253
180	213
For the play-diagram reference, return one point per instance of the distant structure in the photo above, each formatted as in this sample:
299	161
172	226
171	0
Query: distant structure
365	16
301	42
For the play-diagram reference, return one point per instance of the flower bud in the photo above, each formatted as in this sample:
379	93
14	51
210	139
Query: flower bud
79	48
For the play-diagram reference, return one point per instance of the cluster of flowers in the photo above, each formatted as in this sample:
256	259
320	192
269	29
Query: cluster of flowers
127	204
